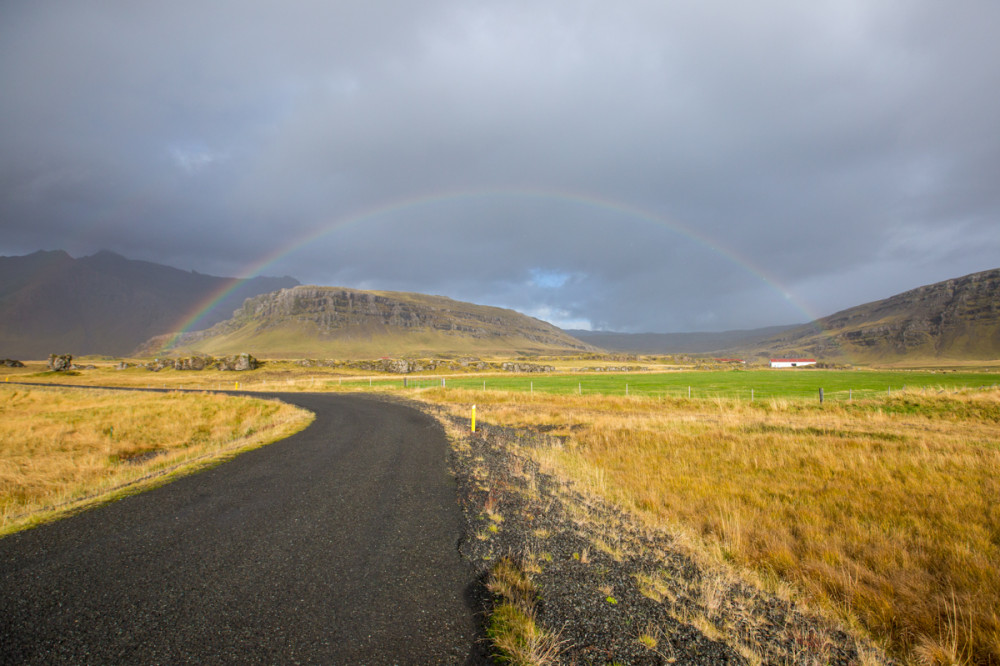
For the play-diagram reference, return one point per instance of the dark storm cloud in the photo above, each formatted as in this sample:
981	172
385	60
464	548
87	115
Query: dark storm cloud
787	158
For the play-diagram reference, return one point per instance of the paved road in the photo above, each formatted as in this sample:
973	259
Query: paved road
337	545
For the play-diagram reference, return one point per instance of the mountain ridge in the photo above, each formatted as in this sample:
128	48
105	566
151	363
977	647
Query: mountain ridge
107	304
677	343
340	322
955	319
104	303
952	319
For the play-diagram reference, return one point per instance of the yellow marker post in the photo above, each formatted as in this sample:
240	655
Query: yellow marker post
473	418
237	386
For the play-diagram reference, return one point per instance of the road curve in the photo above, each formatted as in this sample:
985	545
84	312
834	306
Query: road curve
336	545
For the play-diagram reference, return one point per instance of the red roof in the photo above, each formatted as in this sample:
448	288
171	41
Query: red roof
793	360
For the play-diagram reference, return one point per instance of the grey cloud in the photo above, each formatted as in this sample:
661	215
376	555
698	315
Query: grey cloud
828	146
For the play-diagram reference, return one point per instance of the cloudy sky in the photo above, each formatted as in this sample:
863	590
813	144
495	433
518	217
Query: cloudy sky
631	165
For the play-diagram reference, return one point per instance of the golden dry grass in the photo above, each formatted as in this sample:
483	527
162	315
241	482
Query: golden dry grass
885	513
275	376
61	449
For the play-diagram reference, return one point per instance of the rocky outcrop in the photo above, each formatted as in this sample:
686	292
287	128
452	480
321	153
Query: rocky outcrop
473	364
238	363
397	366
60	362
401	366
192	363
11	363
526	367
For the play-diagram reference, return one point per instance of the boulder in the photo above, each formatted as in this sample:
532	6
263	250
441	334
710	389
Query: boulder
240	363
60	362
193	363
159	364
396	365
11	363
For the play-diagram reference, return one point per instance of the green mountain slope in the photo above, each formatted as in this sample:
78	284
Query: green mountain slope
336	322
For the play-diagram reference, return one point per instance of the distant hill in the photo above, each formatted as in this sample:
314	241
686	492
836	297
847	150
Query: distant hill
956	319
677	343
336	322
104	303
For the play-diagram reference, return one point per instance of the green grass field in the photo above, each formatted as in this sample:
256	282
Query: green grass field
741	384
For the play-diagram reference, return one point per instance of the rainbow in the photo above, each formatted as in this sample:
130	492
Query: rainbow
190	320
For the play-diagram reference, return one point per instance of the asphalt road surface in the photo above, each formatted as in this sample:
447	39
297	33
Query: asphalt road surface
334	546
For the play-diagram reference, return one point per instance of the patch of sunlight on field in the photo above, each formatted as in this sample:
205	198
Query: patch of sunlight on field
885	512
61	449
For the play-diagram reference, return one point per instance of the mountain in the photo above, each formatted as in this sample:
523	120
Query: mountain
956	319
676	343
105	303
336	322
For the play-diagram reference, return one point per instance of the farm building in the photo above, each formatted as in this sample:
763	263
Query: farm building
791	362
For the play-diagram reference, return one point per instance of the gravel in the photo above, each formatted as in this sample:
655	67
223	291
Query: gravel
612	591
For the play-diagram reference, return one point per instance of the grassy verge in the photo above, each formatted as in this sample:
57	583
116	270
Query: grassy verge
885	513
65	449
511	626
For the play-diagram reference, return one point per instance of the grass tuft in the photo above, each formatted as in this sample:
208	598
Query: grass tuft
512	625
